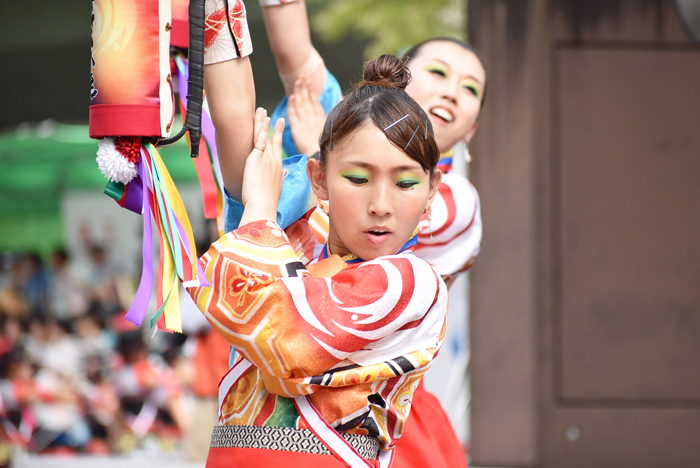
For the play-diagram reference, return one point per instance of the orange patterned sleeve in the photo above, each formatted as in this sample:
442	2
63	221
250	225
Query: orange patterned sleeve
302	331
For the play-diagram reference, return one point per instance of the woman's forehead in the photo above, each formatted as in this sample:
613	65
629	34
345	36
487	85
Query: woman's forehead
369	147
455	56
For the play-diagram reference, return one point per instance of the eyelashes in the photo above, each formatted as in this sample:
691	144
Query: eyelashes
436	69
472	88
357	180
355	177
408	182
404	182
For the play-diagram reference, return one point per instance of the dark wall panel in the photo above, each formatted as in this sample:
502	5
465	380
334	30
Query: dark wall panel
630	223
585	305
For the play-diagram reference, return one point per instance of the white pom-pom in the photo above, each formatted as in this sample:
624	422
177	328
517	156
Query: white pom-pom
113	164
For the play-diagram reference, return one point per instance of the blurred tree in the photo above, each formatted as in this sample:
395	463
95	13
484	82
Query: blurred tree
390	26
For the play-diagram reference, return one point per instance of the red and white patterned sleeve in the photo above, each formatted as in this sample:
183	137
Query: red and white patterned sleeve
455	227
226	32
294	327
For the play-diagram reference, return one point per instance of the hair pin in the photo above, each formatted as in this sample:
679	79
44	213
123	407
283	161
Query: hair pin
402	118
426	130
409	141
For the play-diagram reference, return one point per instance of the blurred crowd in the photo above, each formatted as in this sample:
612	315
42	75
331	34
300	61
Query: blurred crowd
77	377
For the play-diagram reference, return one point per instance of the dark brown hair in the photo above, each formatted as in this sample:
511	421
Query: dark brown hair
381	98
411	53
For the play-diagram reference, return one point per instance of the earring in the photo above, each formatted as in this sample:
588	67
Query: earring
430	229
323	207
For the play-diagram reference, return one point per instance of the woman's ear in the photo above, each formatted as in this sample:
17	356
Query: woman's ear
435	182
317	178
470	134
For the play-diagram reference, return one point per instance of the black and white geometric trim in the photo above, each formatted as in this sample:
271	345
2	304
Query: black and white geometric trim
399	366
287	439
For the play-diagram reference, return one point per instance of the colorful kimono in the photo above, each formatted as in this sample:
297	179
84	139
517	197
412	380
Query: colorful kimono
356	337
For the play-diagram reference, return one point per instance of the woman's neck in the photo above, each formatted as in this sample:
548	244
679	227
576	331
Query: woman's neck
338	248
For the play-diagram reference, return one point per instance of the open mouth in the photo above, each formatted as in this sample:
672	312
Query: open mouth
443	114
377	235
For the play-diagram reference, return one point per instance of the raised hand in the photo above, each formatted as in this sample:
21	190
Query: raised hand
263	174
306	117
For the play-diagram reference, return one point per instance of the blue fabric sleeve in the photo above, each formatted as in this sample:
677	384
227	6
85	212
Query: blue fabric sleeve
330	97
295	201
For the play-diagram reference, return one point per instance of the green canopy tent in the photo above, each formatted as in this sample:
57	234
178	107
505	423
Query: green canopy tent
38	163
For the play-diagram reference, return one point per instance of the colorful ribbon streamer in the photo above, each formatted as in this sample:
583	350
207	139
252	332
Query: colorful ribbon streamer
161	202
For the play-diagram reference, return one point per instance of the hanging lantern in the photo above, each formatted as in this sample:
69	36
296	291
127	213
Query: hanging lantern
131	112
132	91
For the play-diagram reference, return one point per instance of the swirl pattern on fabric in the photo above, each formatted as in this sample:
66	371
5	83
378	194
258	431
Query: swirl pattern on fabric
356	338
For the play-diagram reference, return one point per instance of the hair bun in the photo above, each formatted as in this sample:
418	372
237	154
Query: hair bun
387	71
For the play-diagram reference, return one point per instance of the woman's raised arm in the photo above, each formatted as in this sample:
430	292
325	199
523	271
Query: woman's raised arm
228	83
287	26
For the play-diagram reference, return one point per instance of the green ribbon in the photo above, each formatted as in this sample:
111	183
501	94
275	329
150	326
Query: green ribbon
114	190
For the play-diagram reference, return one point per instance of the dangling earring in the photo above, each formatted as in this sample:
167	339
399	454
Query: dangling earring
430	229
467	154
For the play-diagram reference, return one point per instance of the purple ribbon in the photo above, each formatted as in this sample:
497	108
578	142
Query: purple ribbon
137	311
182	84
209	131
134	195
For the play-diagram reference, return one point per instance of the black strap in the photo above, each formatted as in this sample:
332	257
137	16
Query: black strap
195	80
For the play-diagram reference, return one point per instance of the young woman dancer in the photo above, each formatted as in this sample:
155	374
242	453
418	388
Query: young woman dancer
331	339
449	82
